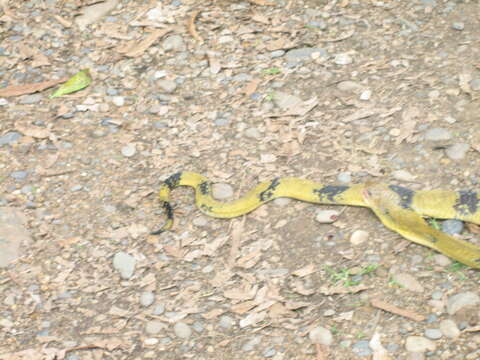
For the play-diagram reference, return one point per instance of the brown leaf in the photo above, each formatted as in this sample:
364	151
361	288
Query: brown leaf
306	270
16	90
135	49
251	87
33	131
342	289
173	251
261	2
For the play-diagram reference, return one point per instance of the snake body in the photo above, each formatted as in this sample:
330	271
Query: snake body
400	209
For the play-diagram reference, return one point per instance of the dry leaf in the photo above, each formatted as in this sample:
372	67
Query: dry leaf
342	289
396	310
306	270
191	27
410	117
33	131
236	235
301	109
93	13
251	87
213	314
253	319
243	307
173	251
16	90
135	49
464	82
247	292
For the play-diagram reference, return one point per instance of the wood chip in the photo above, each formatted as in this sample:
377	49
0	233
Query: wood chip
17	90
409	314
191	27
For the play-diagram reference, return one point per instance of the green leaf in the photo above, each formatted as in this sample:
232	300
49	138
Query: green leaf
77	82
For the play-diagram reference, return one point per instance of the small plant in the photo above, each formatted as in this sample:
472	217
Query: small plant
272	71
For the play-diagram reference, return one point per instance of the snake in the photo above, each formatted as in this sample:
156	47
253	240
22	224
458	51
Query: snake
400	209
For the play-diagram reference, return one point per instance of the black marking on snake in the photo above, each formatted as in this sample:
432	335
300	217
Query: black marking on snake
173	180
168	210
206	208
267	194
467	203
204	188
406	195
329	192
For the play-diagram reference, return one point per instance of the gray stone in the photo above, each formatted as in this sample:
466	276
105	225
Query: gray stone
449	328
159	309
19	175
125	264
458	26
304	54
222	191
13	235
147	298
475	84
459	301
129	150
419	344
226	322
182	330
320	335
153	327
452	226
30	99
251	344
10	137
408	282
457	151
362	348
433	334
174	43
345	177
169	86
438	134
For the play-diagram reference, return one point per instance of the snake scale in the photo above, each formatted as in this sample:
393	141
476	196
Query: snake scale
400	209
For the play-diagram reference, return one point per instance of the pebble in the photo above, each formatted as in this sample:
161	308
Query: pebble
153	327
147	298
282	202
166	85
200	221
251	344
222	191
30	99
174	43
437	134
366	95
9	138
362	348
452	226
342	59
270	352
458	26
124	264
182	330
252	133
129	150
284	100
408	282
327	216
118	100
226	322
358	237
320	335
18	175
459	301
403	175
442	260
449	328
349	86
301	54
159	309
457	151
419	344
345	177
433	334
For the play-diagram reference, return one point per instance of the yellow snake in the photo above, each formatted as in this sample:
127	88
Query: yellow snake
399	208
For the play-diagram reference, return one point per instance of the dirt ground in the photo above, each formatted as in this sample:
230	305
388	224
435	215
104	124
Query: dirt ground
241	92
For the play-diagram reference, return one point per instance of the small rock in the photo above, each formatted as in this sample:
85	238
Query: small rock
124	264
419	344
118	100
457	151
345	177
342	59
200	221
408	282
320	335
252	133
18	175
282	202
222	191
30	99
442	260
458	26
226	322
327	216
10	137
267	158
452	226
449	328
403	175
182	330
359	237
147	298
153	327
437	134
362	348
159	309
459	301
251	344
302	54
366	95
433	334
349	86
174	43
129	150
166	85
285	101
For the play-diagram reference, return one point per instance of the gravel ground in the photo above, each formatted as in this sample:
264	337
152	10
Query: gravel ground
335	91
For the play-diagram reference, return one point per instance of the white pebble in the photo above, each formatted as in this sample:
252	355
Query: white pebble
403	175
359	237
118	100
449	328
419	344
182	330
147	298
327	216
129	150
321	335
222	191
342	59
366	95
